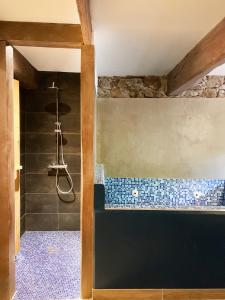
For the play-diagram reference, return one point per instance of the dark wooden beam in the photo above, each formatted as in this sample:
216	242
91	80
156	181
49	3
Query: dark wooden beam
24	71
41	34
85	20
87	167
7	211
205	56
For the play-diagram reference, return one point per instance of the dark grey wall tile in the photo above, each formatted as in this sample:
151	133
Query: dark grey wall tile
67	198
74	162
64	185
23	99
69	102
41	222
41	203
22	205
22	121
46	143
40	122
69	207
69	81
38	163
22	184
22	163
40	183
46	79
22	225
45	101
45	122
42	100
70	123
22	142
69	221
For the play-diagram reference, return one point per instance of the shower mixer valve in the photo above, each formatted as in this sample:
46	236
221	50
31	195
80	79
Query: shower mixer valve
57	166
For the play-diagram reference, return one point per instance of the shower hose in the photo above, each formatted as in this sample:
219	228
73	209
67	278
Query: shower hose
59	133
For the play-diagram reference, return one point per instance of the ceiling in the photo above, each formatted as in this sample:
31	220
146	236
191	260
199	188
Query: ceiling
142	37
53	59
138	37
218	71
50	11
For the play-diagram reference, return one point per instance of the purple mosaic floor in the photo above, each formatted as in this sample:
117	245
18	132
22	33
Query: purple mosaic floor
48	266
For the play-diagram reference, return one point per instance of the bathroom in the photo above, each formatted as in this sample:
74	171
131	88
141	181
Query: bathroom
112	150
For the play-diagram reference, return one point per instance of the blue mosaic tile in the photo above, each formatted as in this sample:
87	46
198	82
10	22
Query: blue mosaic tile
164	193
48	266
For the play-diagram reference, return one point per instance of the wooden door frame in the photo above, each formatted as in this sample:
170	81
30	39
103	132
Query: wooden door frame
23	70
7	211
87	168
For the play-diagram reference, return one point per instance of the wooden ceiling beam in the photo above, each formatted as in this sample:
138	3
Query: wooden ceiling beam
27	75
41	34
205	56
85	20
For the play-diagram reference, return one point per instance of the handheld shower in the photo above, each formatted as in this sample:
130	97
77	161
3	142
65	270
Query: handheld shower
59	164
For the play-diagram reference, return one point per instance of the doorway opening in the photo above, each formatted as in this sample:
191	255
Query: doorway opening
48	253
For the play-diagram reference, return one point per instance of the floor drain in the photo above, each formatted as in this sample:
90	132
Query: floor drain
52	249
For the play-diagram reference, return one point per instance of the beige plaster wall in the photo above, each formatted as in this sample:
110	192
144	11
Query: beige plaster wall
163	138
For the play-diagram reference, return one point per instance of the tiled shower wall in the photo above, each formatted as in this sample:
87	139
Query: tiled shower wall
44	208
22	162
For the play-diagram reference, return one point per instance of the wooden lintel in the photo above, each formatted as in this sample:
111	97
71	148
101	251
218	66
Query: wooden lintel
87	167
205	56
54	35
24	71
85	20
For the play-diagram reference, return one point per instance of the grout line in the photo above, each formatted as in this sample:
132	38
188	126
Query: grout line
53	213
32	173
48	193
51	132
57	208
46	153
45	112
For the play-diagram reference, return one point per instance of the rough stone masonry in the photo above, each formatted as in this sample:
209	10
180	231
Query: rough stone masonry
155	87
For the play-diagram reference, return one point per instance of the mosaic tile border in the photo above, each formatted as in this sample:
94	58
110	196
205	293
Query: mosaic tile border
164	193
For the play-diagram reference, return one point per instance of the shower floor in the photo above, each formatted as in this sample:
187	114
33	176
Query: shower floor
48	266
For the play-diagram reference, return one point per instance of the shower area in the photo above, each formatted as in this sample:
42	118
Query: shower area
48	263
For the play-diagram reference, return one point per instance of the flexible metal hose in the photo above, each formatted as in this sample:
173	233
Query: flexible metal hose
59	134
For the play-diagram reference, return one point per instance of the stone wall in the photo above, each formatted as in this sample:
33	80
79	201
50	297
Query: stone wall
155	87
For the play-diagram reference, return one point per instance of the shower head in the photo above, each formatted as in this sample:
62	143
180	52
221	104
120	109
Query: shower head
53	86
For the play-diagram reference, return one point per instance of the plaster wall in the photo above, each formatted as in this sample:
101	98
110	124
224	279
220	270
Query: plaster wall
161	138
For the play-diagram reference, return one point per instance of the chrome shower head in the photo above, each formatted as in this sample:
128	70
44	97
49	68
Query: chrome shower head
53	86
